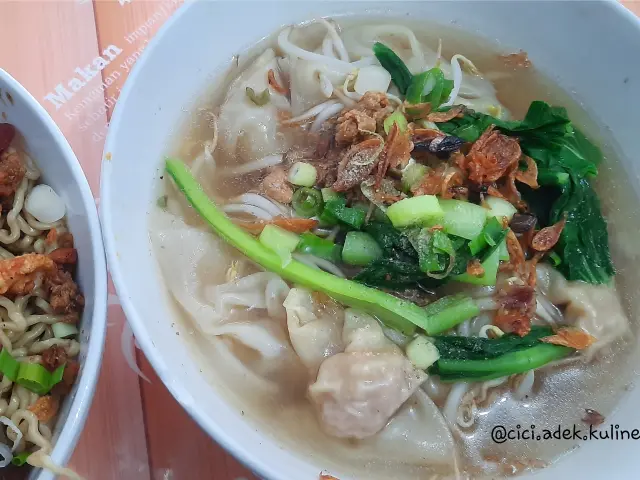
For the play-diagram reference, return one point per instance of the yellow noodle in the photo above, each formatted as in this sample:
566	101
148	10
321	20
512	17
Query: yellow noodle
25	323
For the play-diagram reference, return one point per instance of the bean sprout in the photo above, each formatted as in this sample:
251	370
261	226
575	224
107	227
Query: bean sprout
394	98
327	47
261	202
312	112
345	88
325	115
349	102
206	157
337	42
321	263
456	61
128	348
268	161
248	209
325	85
290	49
450	409
524	385
484	331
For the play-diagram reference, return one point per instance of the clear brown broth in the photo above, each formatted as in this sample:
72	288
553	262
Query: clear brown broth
560	396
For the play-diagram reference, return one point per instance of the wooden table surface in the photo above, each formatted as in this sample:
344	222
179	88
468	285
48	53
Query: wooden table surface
135	429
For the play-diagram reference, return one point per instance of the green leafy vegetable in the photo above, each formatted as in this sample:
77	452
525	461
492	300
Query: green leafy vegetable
463	219
64	330
421	352
398	268
475	359
393	64
584	243
391	273
555	259
420	210
394	312
335	210
492	234
394	243
436	253
508	364
490	266
566	160
429	86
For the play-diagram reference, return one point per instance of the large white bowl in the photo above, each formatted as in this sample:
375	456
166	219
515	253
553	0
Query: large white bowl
47	146
587	47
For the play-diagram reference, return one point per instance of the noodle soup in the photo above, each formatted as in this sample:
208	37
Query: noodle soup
414	170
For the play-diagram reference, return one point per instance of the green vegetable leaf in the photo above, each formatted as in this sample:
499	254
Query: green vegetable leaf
396	313
20	459
566	159
456	347
393	64
583	245
391	273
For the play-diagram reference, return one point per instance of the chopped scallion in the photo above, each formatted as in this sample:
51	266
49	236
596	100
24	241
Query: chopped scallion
420	210
64	330
307	202
555	259
463	219
20	459
360	249
280	241
412	175
398	118
492	234
329	194
259	99
303	174
393	64
422	353
335	210
499	208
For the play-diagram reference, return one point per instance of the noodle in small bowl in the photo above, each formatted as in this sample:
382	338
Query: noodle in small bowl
323	149
53	306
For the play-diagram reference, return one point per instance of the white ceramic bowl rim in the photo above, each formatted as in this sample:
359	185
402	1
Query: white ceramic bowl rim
70	431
